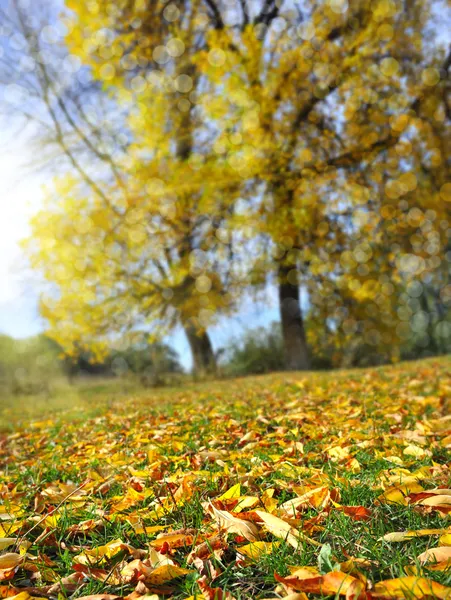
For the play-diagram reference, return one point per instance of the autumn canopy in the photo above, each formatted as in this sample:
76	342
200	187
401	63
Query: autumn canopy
205	151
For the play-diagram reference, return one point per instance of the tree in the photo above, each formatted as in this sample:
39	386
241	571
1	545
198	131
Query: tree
114	246
28	366
314	98
297	111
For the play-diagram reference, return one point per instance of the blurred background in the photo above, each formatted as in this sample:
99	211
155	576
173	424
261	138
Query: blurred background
221	188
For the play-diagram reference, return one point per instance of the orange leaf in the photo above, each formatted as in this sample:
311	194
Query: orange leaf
335	582
358	513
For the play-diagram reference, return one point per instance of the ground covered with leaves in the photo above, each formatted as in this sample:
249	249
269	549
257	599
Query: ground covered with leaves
282	486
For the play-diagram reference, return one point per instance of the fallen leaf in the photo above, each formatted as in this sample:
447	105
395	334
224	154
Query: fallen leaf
176	539
99	597
284	530
164	574
332	583
233	492
401	536
358	513
399	494
257	549
441	554
9	563
6	542
234	525
410	588
317	498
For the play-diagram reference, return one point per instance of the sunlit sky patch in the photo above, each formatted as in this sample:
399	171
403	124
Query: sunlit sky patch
20	194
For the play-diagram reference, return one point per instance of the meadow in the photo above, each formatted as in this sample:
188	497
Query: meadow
290	485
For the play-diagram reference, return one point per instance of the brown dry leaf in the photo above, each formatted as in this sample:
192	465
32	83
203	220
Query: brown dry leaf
284	530
439	500
205	549
410	588
98	574
85	526
69	584
234	525
135	570
141	590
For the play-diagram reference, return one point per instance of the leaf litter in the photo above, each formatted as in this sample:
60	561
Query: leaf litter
279	486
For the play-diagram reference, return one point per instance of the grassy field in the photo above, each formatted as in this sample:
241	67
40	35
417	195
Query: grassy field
289	485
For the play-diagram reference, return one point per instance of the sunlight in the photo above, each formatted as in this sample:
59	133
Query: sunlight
21	195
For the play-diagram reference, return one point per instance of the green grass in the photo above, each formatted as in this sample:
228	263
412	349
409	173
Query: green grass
273	432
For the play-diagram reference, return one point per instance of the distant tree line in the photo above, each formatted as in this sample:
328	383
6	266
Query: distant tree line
35	364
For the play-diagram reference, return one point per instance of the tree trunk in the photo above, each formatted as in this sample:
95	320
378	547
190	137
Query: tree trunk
204	360
294	340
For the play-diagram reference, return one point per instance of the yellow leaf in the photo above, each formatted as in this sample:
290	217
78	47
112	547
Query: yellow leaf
284	530
165	573
233	492
257	549
311	581
401	536
99	554
409	588
175	540
397	494
416	451
6	542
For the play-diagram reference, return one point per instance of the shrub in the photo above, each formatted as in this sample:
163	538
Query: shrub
259	351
